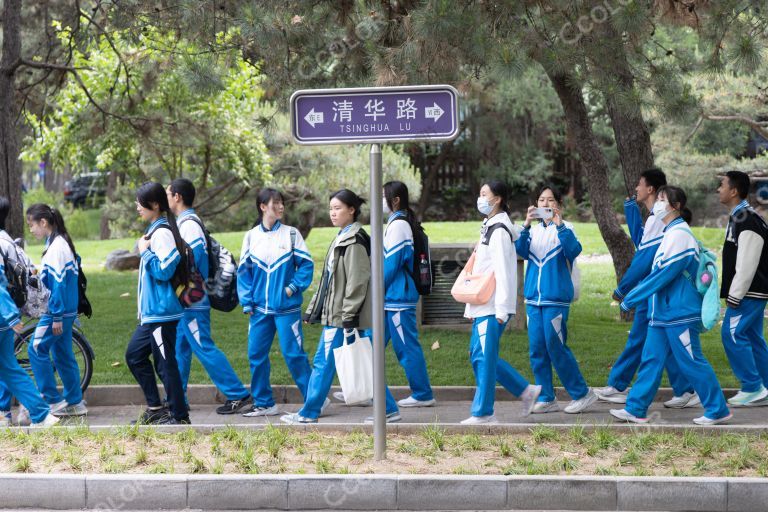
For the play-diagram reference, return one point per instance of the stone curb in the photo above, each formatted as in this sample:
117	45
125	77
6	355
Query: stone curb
382	492
130	394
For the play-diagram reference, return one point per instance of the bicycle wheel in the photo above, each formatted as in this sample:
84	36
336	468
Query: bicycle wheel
80	347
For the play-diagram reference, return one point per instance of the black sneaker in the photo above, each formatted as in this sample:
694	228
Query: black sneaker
152	417
234	406
173	421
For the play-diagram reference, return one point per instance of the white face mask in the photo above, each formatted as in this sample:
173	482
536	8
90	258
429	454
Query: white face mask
385	207
483	206
660	209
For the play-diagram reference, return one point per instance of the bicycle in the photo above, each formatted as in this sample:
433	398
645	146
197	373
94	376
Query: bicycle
80	345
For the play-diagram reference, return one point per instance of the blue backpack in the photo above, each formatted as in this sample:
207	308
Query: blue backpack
705	282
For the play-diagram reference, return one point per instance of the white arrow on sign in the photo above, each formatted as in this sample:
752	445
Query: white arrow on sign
313	117
434	112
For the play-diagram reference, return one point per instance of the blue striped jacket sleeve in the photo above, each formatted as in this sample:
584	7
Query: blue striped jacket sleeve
661	276
634	221
304	265
245	276
162	257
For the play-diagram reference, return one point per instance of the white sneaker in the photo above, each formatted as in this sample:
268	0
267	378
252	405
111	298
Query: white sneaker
79	409
22	418
296	419
683	401
262	411
544	407
623	415
412	402
582	404
753	399
339	395
326	403
58	408
480	420
611	394
703	420
392	417
49	421
528	399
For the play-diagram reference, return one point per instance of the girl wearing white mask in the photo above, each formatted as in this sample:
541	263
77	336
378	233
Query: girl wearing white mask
495	253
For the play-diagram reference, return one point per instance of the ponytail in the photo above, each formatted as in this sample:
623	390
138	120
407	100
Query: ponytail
53	217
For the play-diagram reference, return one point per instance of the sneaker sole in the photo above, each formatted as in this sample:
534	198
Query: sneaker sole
622	399
430	403
636	421
260	415
716	422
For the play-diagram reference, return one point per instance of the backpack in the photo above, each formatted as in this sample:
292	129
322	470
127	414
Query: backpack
83	304
705	283
421	270
186	280
16	275
221	284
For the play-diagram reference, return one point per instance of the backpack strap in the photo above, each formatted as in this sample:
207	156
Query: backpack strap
494	227
293	239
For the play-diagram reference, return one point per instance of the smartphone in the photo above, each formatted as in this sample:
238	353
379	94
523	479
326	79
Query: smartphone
543	213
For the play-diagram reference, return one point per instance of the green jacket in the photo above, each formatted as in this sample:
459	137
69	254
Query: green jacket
343	298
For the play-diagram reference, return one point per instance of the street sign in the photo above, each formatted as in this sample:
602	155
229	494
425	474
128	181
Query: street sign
375	115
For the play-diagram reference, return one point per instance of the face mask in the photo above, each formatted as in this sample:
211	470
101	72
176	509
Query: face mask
660	209
385	207
483	206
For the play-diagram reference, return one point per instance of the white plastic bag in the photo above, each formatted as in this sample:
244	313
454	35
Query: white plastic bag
354	365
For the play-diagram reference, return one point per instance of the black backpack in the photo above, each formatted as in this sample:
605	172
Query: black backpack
221	284
16	276
421	271
83	304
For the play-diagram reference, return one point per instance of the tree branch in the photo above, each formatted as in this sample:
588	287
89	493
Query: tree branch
760	128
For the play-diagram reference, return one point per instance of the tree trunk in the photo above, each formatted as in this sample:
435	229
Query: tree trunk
633	139
596	169
10	166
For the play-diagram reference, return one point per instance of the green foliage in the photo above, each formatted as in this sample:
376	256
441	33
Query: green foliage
163	109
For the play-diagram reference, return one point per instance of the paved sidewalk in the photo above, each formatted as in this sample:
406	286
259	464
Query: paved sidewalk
338	416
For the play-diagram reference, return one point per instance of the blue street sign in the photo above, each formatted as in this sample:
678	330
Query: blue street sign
375	115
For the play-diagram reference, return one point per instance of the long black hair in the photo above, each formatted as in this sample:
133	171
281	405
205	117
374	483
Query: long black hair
265	196
350	199
5	208
52	216
152	192
393	189
500	190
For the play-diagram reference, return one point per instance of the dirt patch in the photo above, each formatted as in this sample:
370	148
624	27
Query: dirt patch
542	451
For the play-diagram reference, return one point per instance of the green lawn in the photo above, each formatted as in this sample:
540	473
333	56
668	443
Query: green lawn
595	333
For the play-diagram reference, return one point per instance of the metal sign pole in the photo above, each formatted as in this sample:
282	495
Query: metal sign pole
377	303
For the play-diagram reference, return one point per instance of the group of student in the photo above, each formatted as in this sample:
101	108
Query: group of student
276	268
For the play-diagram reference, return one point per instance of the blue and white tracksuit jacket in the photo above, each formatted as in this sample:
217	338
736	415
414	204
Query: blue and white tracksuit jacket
495	253
272	260
157	300
551	252
194	333
674	317
59	274
400	299
647	240
268	265
14	380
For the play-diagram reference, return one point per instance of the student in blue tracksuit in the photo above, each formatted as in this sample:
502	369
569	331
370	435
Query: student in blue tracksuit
194	330
159	309
13	378
550	248
342	303
275	270
495	253
53	334
647	239
674	318
401	295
